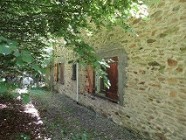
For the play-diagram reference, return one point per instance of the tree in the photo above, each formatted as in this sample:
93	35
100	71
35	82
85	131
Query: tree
28	27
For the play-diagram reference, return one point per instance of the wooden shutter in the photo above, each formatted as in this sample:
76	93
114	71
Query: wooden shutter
90	79
113	77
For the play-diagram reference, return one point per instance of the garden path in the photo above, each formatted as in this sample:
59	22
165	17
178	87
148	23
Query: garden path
65	119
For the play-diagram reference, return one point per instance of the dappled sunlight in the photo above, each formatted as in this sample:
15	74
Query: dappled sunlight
18	120
30	108
139	10
20	91
2	106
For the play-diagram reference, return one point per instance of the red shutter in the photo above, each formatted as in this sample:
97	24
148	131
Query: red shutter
90	80
113	77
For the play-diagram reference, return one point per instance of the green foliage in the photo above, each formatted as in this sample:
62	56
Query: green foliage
83	136
25	98
6	96
36	25
26	56
14	60
22	136
6	87
7	46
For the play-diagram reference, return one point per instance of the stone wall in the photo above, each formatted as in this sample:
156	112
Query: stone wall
155	89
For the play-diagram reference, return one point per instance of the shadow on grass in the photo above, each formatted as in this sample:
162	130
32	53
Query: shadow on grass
17	122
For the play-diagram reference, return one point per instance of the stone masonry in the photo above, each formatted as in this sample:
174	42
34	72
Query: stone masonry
154	88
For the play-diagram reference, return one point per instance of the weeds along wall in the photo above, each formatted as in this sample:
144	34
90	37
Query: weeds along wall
154	88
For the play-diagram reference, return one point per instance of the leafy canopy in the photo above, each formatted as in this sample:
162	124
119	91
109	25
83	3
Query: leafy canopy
30	26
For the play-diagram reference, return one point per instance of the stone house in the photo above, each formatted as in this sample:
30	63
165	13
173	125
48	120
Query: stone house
147	73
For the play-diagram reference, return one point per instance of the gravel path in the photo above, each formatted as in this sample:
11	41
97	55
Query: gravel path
65	119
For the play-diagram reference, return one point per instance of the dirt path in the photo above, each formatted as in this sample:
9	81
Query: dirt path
65	119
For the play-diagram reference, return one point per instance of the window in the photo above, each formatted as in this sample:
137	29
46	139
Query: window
116	74
95	85
112	72
73	72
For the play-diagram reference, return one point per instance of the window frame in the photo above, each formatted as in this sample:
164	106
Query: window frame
119	52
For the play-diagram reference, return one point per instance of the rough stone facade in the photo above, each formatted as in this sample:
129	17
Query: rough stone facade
154	73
